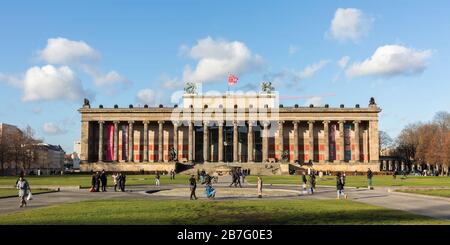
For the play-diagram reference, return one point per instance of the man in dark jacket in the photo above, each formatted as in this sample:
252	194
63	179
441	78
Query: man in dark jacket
369	179
97	182
103	179
193	186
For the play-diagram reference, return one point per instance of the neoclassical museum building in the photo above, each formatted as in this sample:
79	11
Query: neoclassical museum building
251	129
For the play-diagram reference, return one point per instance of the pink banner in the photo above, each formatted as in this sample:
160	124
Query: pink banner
110	147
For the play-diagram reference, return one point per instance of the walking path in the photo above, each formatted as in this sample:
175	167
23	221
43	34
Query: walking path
381	196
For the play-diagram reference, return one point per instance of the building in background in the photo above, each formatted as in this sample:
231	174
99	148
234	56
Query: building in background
249	130
48	158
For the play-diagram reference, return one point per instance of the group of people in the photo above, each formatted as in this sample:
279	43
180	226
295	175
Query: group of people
236	176
99	181
311	181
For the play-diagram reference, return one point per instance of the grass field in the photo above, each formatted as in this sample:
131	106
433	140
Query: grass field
359	181
430	192
4	192
144	211
85	180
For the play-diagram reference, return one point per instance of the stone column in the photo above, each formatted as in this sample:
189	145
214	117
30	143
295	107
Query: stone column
311	140
100	140
145	141
160	141
295	141
116	141
130	141
190	141
357	155
341	141
84	154
366	146
235	141
326	139
265	142
220	158
205	141
175	140
280	140
374	142
250	142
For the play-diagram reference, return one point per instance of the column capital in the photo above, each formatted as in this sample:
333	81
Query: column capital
295	122
146	122
175	123
206	123
101	122
356	122
220	123
116	122
265	123
326	122
280	122
160	122
130	122
235	123
251	123
341	121
311	121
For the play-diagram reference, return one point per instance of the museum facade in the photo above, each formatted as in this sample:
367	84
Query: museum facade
247	128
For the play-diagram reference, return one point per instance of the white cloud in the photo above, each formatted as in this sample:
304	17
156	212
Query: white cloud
171	83
293	49
343	62
349	24
391	60
146	96
52	129
11	80
104	80
218	58
310	70
315	100
51	83
63	51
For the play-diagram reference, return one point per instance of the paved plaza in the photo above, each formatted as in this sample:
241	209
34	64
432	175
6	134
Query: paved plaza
435	207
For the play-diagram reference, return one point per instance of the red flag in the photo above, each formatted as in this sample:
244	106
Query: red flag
232	79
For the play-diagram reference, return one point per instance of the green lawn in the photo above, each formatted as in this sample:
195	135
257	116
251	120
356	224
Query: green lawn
430	192
144	211
359	181
4	192
85	180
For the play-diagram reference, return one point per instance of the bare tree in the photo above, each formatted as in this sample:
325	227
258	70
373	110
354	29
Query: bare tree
386	141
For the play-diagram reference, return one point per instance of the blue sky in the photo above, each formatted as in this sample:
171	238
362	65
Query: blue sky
55	53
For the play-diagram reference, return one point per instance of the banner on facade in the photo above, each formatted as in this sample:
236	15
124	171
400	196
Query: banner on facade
347	145
110	147
332	142
125	142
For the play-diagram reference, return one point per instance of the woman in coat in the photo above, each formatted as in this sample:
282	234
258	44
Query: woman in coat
24	189
259	187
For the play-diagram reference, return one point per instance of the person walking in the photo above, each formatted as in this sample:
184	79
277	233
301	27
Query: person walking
312	182
369	179
340	186
233	178
209	190
114	178
103	180
238	179
304	181
24	188
259	187
157	178
193	187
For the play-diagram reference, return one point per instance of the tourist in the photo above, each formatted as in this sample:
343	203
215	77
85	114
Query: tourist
238	179
340	186
93	182
369	179
173	174
104	180
97	182
259	187
193	187
209	190
157	177
312	182
394	174
24	189
123	178
304	181
233	178
114	178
